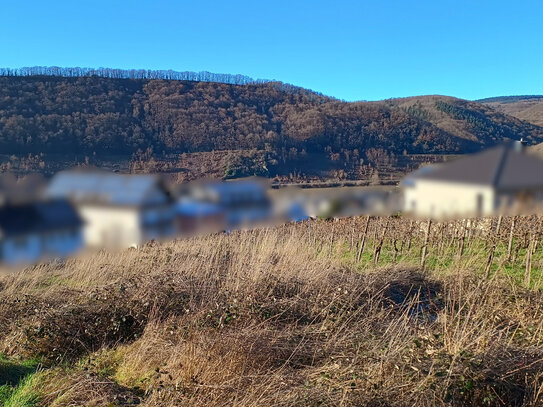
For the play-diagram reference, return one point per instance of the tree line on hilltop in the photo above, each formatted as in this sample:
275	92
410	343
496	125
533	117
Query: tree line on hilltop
76	72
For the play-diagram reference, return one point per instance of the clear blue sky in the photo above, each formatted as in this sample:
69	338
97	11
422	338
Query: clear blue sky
353	50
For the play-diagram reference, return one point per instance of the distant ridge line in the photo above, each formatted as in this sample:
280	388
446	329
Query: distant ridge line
191	76
508	98
113	73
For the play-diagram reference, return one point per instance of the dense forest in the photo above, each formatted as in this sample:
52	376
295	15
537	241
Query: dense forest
100	112
94	114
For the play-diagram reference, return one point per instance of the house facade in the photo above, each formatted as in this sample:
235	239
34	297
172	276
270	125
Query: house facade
500	179
448	199
119	211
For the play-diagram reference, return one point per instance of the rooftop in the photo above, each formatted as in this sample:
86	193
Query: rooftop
503	167
107	188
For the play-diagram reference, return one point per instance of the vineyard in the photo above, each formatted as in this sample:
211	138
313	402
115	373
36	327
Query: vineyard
373	311
486	245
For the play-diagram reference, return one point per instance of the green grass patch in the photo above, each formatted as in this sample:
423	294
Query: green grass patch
445	258
13	371
21	395
15	379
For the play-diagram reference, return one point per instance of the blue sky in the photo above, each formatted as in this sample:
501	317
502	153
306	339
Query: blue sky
353	50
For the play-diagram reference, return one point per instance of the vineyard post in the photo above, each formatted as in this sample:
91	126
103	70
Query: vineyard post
523	242
511	234
375	229
332	240
410	236
363	241
499	224
396	250
440	243
532	247
462	241
493	241
425	246
529	255
452	234
471	230
379	246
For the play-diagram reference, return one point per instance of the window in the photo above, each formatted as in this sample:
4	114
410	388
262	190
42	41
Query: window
480	203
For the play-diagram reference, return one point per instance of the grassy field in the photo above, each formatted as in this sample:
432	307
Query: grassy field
356	312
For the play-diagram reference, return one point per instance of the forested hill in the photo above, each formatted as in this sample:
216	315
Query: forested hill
95	115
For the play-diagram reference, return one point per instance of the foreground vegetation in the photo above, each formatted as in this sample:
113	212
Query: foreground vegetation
362	311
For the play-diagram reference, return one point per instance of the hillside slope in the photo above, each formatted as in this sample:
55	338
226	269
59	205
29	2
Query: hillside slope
468	120
278	127
527	108
44	114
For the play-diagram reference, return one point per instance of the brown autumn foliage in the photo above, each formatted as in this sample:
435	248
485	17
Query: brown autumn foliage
95	117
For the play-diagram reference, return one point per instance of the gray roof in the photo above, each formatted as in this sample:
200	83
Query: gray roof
108	188
503	167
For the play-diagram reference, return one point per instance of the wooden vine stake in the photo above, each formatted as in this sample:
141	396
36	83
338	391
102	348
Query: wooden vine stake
532	247
363	241
410	236
494	240
511	234
396	250
332	236
462	241
529	255
379	246
425	245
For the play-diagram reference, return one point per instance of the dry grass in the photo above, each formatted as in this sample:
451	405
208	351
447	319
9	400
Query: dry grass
284	317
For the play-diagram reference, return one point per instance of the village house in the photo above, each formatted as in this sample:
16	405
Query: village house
38	230
225	205
502	178
119	211
196	217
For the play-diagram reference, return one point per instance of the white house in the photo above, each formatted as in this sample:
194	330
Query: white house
119	211
38	230
502	178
